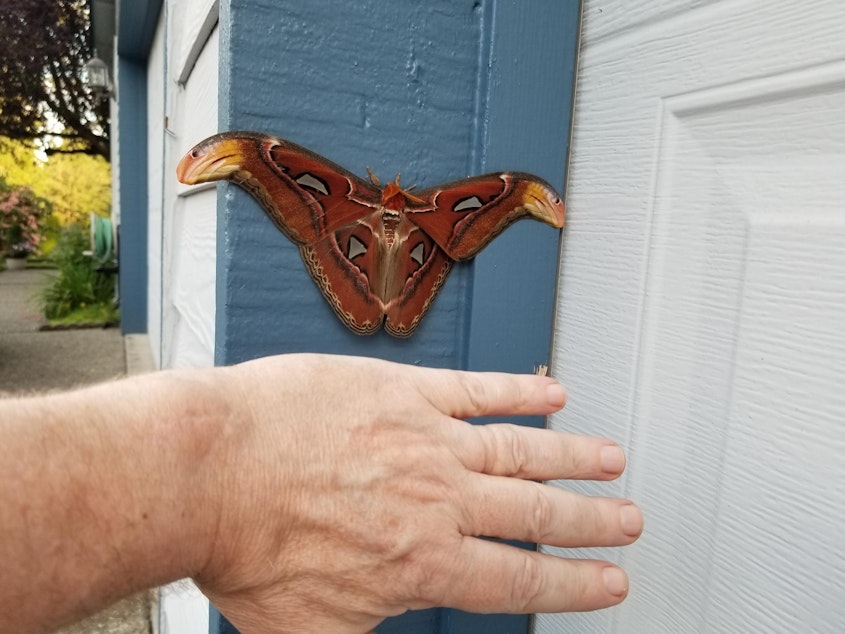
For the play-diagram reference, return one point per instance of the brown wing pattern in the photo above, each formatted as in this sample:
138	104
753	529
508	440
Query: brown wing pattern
378	256
470	213
304	194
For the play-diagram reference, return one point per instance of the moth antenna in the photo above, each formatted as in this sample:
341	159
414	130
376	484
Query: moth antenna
373	178
406	192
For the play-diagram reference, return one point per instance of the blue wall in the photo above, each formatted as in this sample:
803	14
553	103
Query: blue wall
136	22
389	85
132	231
435	90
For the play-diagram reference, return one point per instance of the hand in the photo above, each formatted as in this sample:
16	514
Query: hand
351	491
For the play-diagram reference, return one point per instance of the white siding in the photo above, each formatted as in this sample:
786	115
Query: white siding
702	306
192	221
183	226
182	234
155	132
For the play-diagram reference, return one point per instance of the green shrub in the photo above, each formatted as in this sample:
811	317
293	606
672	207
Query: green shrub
78	285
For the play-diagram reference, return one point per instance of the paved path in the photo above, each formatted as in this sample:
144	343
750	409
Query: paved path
34	360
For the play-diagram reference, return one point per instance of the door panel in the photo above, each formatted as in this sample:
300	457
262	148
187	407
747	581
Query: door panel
702	303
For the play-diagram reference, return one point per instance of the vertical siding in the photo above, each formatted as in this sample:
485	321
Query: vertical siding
155	145
701	307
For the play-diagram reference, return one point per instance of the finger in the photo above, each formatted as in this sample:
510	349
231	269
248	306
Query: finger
495	577
534	454
468	394
533	512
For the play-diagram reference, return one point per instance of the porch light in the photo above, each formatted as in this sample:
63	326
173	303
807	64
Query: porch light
98	77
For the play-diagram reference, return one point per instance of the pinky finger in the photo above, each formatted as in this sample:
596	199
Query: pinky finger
495	577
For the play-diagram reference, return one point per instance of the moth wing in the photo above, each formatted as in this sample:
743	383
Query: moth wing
467	214
415	283
345	282
306	195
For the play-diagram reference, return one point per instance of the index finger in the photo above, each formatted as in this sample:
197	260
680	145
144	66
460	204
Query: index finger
468	394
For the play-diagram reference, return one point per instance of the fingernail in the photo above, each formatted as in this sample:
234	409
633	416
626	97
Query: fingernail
632	520
615	580
556	395
612	459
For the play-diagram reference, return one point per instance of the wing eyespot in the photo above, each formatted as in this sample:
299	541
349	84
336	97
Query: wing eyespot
417	254
355	248
465	204
313	183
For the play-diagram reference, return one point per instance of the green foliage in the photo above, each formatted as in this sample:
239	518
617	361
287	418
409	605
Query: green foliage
43	98
100	314
75	184
78	285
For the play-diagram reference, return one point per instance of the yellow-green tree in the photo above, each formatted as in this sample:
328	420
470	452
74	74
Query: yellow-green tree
75	184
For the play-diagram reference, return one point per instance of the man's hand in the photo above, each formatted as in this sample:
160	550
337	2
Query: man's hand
347	490
303	493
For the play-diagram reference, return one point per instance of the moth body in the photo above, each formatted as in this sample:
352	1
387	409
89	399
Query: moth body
378	255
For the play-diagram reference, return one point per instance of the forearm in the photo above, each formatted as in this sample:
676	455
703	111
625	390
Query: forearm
102	493
302	493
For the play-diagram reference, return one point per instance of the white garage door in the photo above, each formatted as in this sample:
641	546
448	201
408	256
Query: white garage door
702	306
182	94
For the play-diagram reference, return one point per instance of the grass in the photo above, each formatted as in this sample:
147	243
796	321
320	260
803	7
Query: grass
40	263
105	314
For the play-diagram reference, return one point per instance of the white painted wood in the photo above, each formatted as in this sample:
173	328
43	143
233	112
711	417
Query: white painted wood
182	230
183	239
155	133
702	305
114	147
182	609
202	18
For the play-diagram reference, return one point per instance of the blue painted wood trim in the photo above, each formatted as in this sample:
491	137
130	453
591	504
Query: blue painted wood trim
400	99
136	26
417	88
132	237
217	623
527	126
530	55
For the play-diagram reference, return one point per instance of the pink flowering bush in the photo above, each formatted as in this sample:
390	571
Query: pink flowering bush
21	217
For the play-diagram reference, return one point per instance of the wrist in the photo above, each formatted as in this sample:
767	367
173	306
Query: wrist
191	433
111	490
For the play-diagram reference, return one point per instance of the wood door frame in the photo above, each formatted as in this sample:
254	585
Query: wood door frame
525	75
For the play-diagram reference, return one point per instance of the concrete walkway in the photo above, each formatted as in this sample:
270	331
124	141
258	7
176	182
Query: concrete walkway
34	361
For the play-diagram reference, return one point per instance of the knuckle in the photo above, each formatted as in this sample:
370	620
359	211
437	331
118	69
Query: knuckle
517	450
423	580
542	516
511	455
475	392
527	584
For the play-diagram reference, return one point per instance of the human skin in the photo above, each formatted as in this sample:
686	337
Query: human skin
302	493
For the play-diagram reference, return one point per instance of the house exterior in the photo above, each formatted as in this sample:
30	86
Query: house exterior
694	311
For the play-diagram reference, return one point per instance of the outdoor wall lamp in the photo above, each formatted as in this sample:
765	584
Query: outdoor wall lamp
98	77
